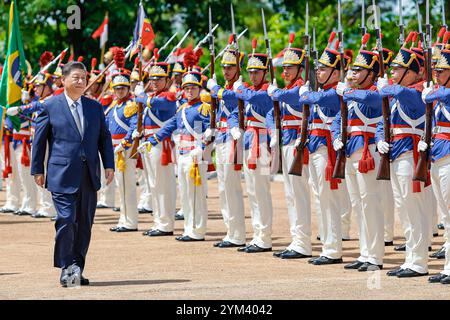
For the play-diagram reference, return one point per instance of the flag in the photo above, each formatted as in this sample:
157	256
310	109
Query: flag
14	68
143	32
102	32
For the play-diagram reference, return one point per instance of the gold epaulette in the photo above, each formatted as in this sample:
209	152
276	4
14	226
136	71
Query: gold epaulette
131	108
204	109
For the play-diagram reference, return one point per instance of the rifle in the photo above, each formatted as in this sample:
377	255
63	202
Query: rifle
237	146
384	172
178	45
401	26
421	172
48	65
160	50
276	104
339	169
212	123
297	166
135	145
363	18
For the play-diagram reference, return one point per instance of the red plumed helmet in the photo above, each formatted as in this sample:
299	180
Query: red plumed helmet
119	57
80	59
45	58
93	63
190	59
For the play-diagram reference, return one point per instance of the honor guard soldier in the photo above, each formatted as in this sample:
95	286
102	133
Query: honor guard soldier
160	108
228	174
122	119
407	123
440	151
191	120
327	190
296	187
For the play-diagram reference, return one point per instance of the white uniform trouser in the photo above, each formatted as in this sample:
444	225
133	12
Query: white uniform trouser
258	190
162	183
29	188
126	182
193	198
413	215
13	184
387	202
46	206
440	177
328	204
298	202
365	195
106	194
345	206
145	195
431	205
230	194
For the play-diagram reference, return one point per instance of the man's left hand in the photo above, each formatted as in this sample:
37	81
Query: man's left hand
109	175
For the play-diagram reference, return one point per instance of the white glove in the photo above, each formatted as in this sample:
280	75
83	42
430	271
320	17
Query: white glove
422	146
208	134
427	89
337	144
12	111
211	83
383	147
236	133
25	97
304	88
382	82
136	134
274	141
196	153
341	87
139	89
298	142
237	84
143	147
119	148
272	87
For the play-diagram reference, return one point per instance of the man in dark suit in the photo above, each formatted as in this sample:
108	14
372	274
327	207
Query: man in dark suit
74	130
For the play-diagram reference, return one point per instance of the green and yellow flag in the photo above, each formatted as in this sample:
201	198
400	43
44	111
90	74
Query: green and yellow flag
13	69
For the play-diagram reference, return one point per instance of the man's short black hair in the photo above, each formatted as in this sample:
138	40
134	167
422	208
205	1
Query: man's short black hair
70	66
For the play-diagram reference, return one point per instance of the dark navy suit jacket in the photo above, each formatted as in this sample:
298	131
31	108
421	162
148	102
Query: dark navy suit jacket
67	150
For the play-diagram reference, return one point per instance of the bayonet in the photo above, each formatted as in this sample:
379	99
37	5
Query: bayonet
178	45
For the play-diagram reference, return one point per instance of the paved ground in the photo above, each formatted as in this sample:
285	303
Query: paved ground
131	266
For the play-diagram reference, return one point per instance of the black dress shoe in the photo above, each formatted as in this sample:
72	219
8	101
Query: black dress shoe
346	239
437	278
408	273
5	210
187	239
401	247
324	260
279	253
23	213
367	266
143	210
102	206
159	233
440	254
243	248
255	249
292	254
312	260
123	229
354	265
388	243
39	215
394	272
435	235
179	216
440	226
446	280
64	278
116	209
113	229
84	281
227	244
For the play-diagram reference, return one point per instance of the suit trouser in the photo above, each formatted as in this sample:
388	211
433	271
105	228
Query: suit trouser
162	183
193	198
440	177
298	202
145	195
75	215
365	194
387	202
413	215
29	188
13	184
258	190
230	195
106	194
126	182
328	204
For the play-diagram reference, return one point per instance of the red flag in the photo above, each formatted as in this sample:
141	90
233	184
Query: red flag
102	32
